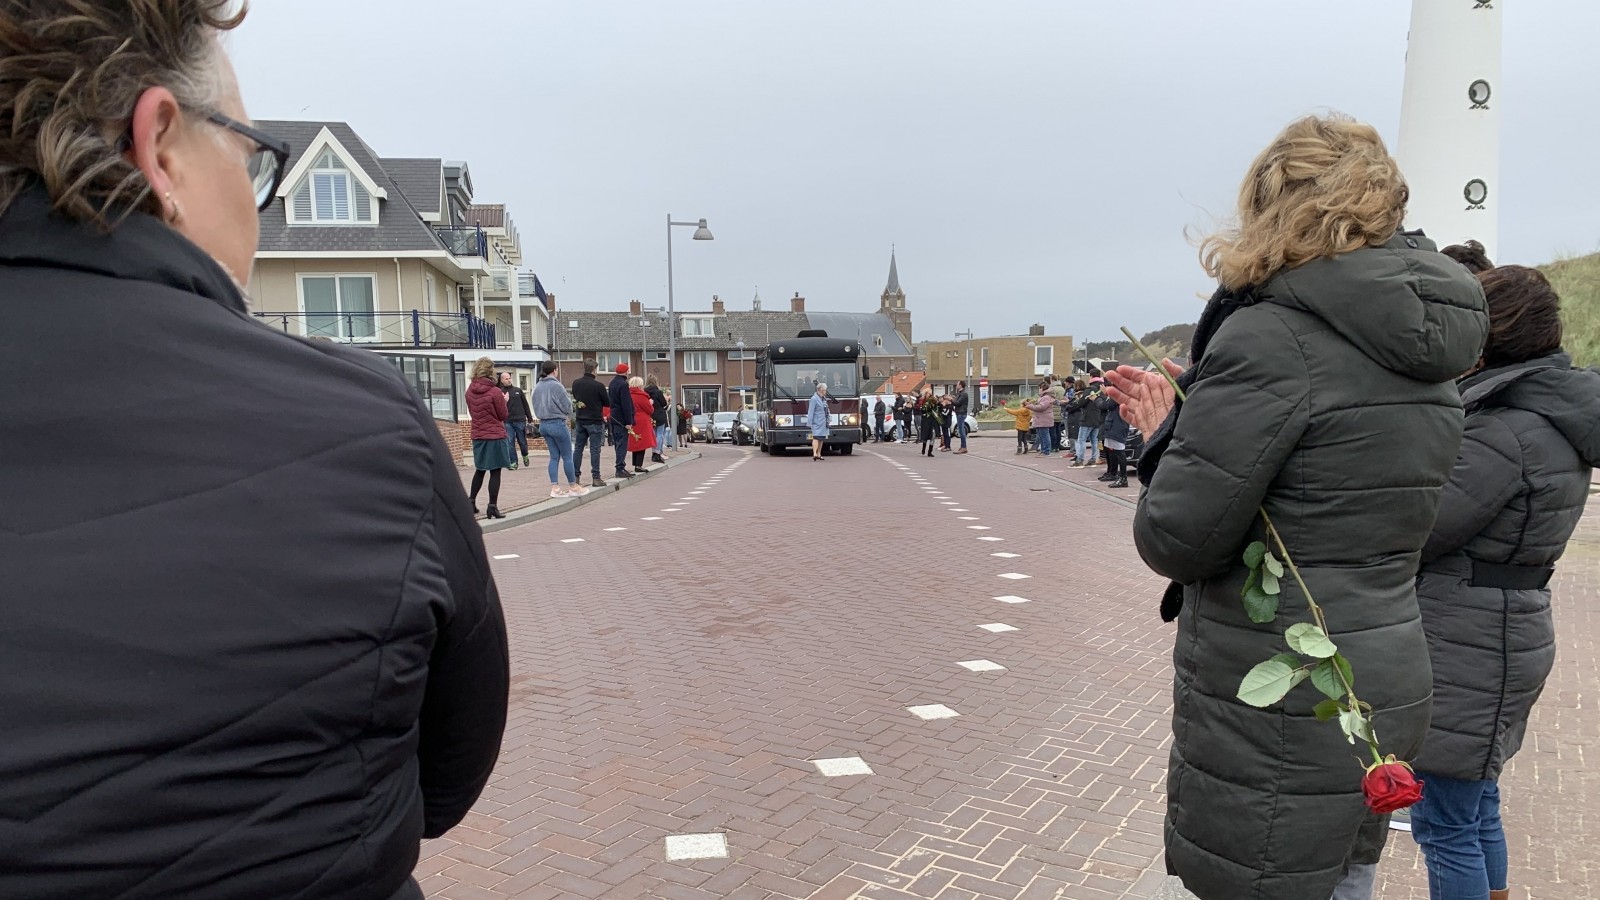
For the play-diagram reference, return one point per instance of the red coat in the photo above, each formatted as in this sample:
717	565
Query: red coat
486	403
644	436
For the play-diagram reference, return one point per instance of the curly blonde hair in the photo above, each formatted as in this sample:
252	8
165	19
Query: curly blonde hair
483	368
70	74
1326	185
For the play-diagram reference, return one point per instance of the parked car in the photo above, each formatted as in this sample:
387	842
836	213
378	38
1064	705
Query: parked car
722	426
700	428
744	427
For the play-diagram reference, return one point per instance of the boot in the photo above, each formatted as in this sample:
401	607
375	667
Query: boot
1120	483
493	512
597	482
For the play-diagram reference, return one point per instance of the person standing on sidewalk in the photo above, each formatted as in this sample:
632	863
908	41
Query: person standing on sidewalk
962	402
659	417
553	407
879	408
641	436
1023	417
589	398
1043	421
1518	489
260	660
518	415
1116	438
1087	448
620	402
1058	412
817	419
491	452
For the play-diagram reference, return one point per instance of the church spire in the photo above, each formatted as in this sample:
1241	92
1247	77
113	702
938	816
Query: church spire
894	276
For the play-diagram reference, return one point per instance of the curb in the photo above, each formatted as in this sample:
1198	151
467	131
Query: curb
548	507
1127	504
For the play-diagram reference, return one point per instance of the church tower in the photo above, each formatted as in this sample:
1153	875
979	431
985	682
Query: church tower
893	302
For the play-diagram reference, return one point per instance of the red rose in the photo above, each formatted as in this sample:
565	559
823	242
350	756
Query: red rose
1390	786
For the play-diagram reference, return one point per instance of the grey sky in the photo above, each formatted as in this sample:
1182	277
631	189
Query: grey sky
1032	162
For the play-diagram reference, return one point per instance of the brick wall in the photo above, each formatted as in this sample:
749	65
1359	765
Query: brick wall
458	437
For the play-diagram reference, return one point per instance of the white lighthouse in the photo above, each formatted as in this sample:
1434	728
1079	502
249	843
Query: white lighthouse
1450	120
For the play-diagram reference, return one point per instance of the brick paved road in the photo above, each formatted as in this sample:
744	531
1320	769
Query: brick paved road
682	676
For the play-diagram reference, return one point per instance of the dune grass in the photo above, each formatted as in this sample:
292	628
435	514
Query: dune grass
1578	282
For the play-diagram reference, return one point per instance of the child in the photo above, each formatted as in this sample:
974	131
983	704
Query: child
1024	417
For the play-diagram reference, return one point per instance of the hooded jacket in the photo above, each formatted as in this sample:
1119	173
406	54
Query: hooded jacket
263	660
486	405
1329	400
1515	496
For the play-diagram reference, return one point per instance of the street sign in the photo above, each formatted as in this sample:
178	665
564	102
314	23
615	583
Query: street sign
983	393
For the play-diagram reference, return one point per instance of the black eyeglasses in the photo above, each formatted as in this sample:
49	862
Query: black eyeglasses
268	163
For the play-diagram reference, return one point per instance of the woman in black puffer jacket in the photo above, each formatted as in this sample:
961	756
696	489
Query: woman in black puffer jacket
1514	498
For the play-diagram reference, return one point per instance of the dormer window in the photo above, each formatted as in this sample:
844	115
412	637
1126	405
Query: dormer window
330	195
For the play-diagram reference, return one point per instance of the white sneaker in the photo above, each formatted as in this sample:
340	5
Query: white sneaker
576	490
1400	820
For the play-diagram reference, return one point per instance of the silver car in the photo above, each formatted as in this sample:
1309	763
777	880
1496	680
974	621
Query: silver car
723	426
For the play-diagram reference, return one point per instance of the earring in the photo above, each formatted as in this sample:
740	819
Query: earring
176	214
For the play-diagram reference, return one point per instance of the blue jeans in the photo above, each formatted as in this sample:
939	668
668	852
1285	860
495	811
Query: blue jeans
1088	442
517	434
1043	435
1457	824
661	439
961	432
559	440
592	434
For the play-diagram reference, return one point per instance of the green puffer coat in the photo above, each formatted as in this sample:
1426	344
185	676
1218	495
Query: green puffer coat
1331	402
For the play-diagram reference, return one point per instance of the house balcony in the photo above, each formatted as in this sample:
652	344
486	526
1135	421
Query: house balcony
413	328
464	240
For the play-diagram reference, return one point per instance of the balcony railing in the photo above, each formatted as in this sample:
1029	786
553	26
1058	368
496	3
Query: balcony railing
387	329
464	240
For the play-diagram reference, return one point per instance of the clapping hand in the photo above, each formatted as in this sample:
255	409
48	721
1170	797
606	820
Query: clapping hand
1145	398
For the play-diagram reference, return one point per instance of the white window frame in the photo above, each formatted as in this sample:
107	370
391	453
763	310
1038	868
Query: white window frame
692	358
983	361
336	277
569	356
355	189
736	355
658	355
1050	356
708	324
608	360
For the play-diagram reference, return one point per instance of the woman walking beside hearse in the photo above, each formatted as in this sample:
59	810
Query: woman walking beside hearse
1324	306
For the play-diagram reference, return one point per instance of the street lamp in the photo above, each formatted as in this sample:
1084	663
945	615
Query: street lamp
1033	367
644	341
968	335
701	233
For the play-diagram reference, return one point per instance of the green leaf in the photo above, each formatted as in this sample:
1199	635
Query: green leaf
1259	605
1273	566
1327	680
1266	684
1254	553
1355	725
1307	638
1269	582
1327	709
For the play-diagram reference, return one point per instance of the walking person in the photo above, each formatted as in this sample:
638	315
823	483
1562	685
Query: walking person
1328	308
1043	420
878	410
619	397
491	452
518	415
817	419
1518	489
554	407
641	435
659	415
589	402
959	409
259	660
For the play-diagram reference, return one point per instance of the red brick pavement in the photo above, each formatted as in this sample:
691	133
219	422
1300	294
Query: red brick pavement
530	484
677	677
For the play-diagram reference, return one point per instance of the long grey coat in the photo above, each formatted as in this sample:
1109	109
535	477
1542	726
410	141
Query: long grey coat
1517	492
1331	401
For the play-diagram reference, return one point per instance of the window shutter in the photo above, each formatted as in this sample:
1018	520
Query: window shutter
362	201
341	197
322	188
302	202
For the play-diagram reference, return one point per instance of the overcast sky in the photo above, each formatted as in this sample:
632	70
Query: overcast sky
1031	161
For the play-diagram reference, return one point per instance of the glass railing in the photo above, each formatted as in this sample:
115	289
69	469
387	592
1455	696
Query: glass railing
412	328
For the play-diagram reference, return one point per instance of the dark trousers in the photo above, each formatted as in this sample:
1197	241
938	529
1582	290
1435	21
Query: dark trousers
517	437
591	434
877	428
1055	434
619	442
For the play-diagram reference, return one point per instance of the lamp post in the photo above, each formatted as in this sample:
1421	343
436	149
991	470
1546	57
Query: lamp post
1033	363
644	346
701	233
968	335
740	344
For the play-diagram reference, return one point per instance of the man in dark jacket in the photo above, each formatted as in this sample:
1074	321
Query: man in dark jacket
620	399
518	415
962	402
901	413
1518	489
1087	405
590	400
263	660
879	408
